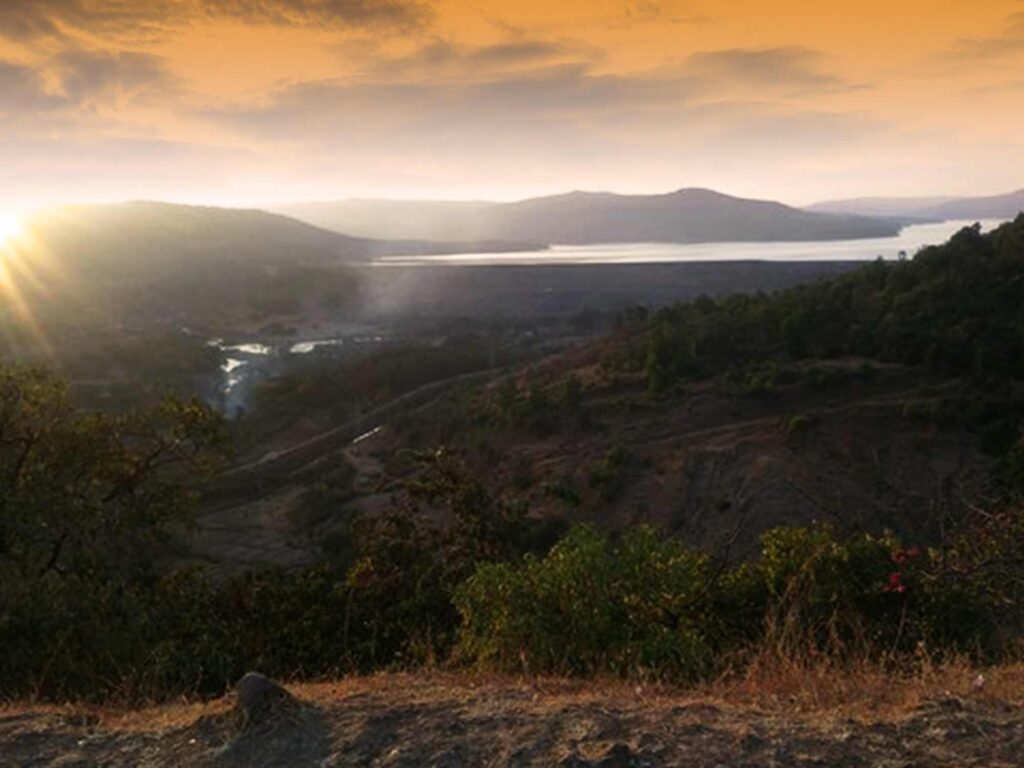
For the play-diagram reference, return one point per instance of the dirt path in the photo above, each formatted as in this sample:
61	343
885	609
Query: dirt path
414	721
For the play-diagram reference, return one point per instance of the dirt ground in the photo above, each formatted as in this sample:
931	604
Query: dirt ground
439	720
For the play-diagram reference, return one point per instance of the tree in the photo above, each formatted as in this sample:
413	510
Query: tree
90	494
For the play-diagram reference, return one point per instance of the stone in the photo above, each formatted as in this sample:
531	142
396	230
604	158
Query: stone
260	697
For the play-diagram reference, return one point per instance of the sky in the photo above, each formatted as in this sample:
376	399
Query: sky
228	102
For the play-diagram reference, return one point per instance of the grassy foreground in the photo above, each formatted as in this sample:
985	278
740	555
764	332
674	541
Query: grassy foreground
781	713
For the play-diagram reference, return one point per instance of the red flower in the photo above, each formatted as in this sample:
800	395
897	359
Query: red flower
895	583
903	555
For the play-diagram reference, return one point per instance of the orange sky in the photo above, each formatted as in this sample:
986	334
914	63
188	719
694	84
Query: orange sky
234	102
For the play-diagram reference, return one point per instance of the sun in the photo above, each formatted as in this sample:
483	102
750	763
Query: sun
10	227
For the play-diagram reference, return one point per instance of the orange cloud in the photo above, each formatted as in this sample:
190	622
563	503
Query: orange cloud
232	101
147	18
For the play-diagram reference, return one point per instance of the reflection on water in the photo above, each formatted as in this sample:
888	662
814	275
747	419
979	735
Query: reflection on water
248	362
305	347
249	349
908	242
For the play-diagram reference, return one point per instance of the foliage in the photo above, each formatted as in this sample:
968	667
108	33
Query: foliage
86	505
591	606
85	612
647	606
89	494
608	474
955	308
638	606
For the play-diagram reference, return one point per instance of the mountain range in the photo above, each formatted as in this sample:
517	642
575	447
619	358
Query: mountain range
1005	206
579	218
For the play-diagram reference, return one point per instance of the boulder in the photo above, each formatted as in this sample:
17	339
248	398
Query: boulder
259	697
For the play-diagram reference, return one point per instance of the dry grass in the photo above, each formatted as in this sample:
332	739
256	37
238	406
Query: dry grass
863	691
173	714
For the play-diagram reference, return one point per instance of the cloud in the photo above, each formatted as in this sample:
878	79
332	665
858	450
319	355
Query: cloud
78	78
342	13
557	96
561	116
22	90
783	71
790	68
54	18
89	74
1010	41
515	53
30	19
440	58
630	12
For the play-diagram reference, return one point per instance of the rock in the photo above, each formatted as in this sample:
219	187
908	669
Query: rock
259	697
948	704
574	761
621	756
752	742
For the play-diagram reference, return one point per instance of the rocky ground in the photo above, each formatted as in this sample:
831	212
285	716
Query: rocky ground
437	720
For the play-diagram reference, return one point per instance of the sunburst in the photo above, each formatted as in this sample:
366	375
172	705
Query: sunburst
10	228
23	281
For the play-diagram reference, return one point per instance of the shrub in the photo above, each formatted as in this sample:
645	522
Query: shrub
591	606
608	474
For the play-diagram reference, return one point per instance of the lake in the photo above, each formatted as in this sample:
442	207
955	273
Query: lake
910	240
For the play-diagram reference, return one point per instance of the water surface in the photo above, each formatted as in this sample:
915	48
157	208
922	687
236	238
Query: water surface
908	242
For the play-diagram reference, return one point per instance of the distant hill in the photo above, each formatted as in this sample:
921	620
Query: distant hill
900	207
151	238
146	263
931	208
576	218
994	207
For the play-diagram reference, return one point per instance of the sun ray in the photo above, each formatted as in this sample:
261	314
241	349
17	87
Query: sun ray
26	279
10	228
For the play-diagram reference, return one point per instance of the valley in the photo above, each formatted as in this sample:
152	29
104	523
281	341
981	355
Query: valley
620	384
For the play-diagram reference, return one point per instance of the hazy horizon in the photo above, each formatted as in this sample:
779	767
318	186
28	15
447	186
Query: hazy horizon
271	205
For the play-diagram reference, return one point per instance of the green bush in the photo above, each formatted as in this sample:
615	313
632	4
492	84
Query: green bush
636	606
645	606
